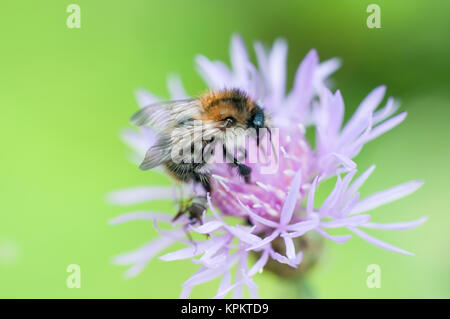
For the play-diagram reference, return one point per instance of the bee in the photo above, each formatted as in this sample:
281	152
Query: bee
175	122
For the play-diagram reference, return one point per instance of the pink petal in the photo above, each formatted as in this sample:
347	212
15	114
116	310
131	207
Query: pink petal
208	227
214	75
145	98
385	112
291	199
212	250
244	236
312	191
224	287
351	202
324	70
141	194
290	248
278	70
331	200
337	239
206	275
397	226
386	196
142	256
282	259
304	79
337	112
184	253
385	126
302	227
357	183
239	58
259	264
185	292
252	287
265	241
262	58
367	106
258	218
377	242
349	221
345	161
140	216
175	87
140	141
188	252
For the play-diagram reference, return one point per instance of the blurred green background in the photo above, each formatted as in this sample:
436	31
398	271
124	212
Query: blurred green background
66	93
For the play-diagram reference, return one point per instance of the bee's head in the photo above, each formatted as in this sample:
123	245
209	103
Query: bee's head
257	121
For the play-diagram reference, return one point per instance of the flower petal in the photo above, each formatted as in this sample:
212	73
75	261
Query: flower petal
367	106
188	252
349	221
225	286
145	98
239	58
358	182
175	87
290	248
258	218
291	199
265	240
259	265
208	227
304	78
385	112
304	226
398	225
337	239
345	161
144	215
312	191
243	235
386	196
377	242
140	194
385	126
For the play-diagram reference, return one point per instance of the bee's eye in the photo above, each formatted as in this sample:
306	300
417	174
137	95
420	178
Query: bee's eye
229	121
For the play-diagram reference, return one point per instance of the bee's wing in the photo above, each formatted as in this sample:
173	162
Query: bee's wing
160	116
157	154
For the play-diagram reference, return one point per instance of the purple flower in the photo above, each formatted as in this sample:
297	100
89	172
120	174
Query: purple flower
277	206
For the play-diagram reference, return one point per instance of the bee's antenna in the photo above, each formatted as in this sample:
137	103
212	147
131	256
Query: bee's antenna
271	143
273	146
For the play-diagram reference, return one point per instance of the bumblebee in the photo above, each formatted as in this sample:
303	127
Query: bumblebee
176	123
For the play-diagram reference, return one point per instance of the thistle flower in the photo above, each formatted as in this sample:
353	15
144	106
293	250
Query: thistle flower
279	206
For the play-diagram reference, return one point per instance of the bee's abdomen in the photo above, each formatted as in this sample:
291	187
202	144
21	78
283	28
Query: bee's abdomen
181	172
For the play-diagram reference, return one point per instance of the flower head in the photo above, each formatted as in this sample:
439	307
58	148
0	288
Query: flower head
279	205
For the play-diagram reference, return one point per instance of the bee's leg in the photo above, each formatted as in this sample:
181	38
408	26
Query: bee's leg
198	204
196	209
243	170
188	234
180	213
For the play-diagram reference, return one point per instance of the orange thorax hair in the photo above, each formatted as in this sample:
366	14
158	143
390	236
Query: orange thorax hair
218	105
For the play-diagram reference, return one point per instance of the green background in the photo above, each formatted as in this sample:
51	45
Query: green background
66	93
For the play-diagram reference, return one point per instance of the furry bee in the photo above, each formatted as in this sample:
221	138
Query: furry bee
217	111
